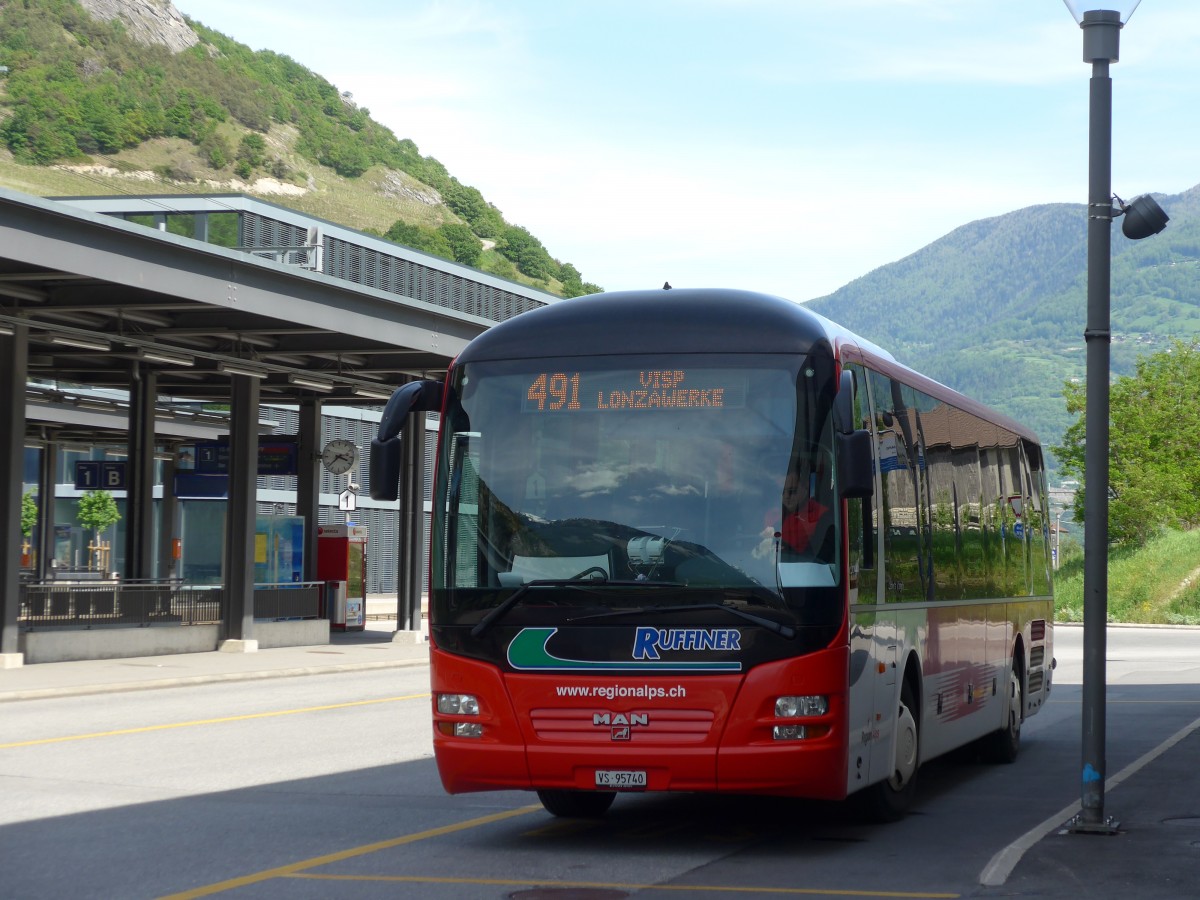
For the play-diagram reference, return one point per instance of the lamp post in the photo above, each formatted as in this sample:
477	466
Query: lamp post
1058	539
1101	26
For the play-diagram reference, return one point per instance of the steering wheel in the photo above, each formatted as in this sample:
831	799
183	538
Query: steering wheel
593	570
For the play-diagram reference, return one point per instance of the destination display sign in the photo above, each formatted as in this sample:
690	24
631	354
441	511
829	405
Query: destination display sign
635	389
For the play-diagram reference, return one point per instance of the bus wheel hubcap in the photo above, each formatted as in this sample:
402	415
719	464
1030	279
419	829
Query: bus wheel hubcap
1014	709
906	749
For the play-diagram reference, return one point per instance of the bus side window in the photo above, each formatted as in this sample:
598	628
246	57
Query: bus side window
861	516
968	489
901	466
1037	521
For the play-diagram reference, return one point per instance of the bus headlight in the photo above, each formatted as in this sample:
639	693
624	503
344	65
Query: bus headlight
800	707
789	732
458	704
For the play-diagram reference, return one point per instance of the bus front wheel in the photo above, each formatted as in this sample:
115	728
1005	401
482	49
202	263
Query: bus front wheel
577	804
890	799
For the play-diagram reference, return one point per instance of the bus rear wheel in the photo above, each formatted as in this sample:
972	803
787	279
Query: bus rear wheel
1003	745
891	798
577	804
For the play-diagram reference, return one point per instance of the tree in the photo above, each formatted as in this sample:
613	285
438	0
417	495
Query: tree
463	243
526	251
573	284
29	513
97	511
252	149
420	238
1154	430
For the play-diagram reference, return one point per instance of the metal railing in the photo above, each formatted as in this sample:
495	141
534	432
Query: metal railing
305	256
95	603
91	604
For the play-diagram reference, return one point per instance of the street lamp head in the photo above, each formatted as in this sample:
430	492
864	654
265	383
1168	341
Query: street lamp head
1123	8
1143	218
1101	21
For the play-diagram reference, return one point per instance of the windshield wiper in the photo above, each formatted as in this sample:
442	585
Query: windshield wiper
484	624
782	630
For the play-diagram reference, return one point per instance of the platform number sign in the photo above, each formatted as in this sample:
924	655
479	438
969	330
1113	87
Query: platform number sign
100	475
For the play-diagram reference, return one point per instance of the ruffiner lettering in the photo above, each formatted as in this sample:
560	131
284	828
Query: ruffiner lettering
647	641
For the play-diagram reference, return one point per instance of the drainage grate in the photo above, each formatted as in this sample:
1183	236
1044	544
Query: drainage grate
569	893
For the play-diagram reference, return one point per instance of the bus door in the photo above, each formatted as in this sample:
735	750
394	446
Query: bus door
873	695
873	631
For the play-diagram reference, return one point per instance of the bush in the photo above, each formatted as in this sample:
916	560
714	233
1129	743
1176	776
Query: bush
420	238
527	252
463	244
252	149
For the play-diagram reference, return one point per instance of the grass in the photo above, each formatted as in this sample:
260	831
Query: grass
1156	584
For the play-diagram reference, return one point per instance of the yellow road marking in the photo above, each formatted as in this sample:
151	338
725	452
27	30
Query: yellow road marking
624	886
295	868
264	715
298	870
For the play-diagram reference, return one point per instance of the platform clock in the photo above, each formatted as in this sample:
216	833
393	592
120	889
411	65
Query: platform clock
339	456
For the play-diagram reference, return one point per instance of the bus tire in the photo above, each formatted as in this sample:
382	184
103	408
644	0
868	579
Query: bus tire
577	804
890	799
1003	745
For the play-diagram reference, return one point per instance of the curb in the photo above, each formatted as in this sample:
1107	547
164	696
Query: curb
84	690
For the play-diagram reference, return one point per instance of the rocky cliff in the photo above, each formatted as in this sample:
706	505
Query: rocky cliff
147	21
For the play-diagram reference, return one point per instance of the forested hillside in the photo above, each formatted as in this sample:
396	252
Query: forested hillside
195	111
997	308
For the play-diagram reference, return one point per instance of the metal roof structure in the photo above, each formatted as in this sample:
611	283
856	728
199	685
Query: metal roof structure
140	320
308	307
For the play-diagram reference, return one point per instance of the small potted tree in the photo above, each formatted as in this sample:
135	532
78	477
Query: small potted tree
29	517
97	511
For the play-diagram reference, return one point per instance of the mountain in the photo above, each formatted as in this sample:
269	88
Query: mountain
130	96
997	308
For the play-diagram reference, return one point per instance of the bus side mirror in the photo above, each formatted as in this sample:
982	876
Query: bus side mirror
843	404
416	396
856	471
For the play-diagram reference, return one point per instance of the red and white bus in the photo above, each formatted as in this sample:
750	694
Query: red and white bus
625	594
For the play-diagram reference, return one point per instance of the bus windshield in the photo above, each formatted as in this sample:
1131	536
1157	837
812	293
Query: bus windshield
578	480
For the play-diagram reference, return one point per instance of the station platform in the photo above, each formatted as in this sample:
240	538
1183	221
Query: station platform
379	645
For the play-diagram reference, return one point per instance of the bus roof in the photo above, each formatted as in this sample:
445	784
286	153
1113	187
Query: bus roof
663	321
695	320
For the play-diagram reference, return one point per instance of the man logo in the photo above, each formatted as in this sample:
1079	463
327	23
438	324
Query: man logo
605	718
620	725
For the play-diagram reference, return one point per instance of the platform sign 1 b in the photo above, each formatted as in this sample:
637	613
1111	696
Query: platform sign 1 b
100	475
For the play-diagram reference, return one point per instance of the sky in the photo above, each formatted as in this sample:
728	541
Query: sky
785	146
